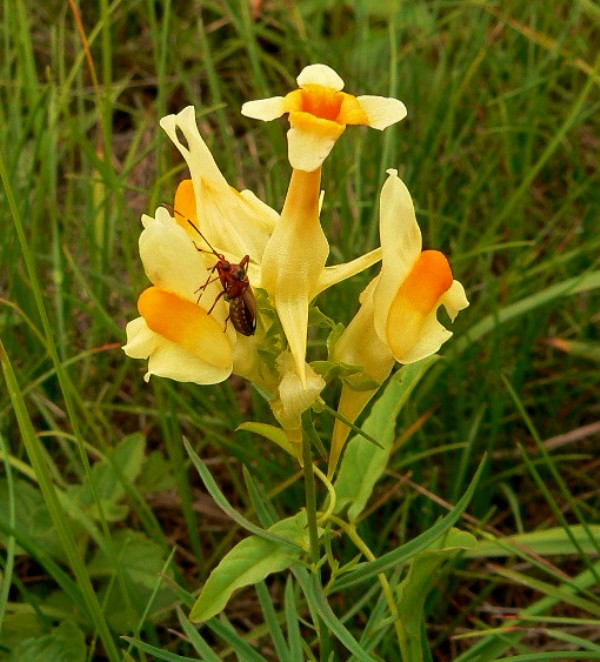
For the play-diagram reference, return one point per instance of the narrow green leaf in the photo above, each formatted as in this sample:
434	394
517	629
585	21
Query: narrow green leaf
553	655
158	653
293	626
573	640
363	464
249	562
30	439
584	350
51	496
10	544
554	541
584	283
368	571
270	432
546	588
415	587
260	500
244	651
272	622
197	640
224	505
318	603
494	643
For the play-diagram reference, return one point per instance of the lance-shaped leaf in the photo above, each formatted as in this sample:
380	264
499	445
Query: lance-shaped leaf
363	462
413	590
248	563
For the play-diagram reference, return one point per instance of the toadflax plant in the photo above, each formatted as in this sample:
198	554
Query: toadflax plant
251	317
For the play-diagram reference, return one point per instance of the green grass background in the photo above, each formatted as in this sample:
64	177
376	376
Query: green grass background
500	152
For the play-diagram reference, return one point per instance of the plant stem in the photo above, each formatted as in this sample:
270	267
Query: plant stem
324	516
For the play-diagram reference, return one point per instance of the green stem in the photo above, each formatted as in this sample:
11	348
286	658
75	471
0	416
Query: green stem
310	489
324	516
308	431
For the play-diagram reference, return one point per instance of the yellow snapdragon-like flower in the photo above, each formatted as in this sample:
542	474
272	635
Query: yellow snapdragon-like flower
293	267
397	320
319	112
174	332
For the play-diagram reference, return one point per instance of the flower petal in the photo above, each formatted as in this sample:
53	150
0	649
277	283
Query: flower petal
412	329
167	359
339	272
454	300
171	260
264	109
141	341
358	345
231	222
431	336
195	151
294	397
432	333
351	111
310	140
382	111
294	259
320	74
187	325
259	208
184	207
401	245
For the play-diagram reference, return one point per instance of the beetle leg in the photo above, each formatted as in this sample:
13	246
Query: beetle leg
209	280
215	303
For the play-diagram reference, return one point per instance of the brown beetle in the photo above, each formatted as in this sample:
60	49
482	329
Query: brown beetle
236	288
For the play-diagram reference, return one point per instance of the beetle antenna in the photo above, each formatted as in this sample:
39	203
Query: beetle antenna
196	228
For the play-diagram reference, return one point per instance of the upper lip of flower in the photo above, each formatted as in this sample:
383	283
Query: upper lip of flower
236	221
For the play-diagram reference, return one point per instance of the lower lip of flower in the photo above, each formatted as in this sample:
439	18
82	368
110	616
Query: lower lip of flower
185	324
416	298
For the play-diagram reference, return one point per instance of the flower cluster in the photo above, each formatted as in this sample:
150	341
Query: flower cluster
187	328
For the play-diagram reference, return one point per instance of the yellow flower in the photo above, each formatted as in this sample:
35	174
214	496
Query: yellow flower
397	320
319	113
293	266
175	333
